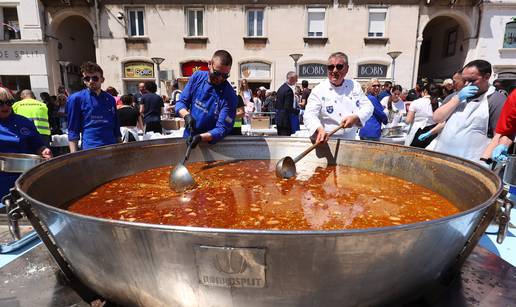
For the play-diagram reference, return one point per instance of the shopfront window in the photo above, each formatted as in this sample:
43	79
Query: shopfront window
11	25
316	17
195	22
377	17
255	23
15	83
509	40
136	22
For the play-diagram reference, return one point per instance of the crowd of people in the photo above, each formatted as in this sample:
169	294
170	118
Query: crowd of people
465	116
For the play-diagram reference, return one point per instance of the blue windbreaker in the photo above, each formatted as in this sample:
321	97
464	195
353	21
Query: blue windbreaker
213	107
93	116
17	135
373	126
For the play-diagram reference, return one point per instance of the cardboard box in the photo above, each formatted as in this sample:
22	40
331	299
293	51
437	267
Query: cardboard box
260	122
173	123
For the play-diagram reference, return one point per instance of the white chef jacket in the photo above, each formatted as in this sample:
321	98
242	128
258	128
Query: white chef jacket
327	105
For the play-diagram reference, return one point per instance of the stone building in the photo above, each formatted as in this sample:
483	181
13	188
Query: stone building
432	38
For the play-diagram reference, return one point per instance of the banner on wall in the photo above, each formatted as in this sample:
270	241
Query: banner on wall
138	70
372	71
255	70
188	68
312	70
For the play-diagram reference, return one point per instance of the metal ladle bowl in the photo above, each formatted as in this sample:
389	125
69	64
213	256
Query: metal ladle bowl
286	167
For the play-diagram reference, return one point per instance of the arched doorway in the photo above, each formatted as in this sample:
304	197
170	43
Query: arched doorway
75	45
443	50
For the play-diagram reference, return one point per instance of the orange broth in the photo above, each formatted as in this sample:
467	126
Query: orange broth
247	195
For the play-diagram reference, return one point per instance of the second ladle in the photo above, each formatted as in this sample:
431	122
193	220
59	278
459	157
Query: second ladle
286	167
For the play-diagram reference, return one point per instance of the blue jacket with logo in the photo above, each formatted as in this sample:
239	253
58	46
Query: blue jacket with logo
373	126
17	135
213	107
93	116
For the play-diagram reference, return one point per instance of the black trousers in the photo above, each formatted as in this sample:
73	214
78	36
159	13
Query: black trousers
154	127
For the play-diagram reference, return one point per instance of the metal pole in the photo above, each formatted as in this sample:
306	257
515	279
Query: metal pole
158	81
393	68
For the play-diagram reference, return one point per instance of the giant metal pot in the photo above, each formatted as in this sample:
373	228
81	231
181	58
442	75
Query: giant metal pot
157	265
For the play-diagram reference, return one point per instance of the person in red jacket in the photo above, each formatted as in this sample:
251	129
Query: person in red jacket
505	131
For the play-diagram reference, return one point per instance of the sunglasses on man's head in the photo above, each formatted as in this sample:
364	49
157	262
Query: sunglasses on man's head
332	67
88	79
7	102
217	73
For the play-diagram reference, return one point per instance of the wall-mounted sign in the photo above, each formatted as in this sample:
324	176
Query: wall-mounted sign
372	71
138	70
312	70
188	68
15	54
255	70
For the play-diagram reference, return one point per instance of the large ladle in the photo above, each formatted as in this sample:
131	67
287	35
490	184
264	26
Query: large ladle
180	178
286	167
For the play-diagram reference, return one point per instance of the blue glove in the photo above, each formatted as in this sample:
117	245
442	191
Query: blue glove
467	92
424	136
500	153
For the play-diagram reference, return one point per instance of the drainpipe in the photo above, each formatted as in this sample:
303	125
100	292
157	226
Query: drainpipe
97	25
417	46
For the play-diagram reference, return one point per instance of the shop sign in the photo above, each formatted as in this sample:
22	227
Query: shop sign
255	70
189	68
138	70
372	71
18	53
312	70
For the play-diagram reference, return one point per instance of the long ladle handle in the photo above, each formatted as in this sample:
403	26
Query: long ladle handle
309	149
189	148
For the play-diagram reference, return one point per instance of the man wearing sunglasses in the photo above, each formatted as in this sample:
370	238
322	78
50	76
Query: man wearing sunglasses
92	112
337	102
208	102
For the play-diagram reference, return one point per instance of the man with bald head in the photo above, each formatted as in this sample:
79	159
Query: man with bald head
36	111
285	105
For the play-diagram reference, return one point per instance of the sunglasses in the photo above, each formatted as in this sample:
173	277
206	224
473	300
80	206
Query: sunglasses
217	73
7	102
332	67
88	78
375	85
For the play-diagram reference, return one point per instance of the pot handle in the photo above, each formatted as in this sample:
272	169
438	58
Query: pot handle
13	214
504	219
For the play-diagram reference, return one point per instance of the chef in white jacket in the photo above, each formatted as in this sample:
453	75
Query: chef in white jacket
337	101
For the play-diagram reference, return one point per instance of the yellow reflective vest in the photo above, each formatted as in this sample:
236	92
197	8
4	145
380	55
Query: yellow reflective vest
36	111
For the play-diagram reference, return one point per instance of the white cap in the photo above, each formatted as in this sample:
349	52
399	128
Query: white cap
262	88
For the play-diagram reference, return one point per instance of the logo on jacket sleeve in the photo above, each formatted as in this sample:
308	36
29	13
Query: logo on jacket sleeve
329	109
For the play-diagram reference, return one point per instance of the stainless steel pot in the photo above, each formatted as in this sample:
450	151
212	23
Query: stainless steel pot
156	265
18	163
392	132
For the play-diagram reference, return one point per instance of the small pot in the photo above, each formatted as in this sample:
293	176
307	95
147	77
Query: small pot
18	163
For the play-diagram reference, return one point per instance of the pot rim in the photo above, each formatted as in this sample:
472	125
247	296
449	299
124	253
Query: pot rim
209	230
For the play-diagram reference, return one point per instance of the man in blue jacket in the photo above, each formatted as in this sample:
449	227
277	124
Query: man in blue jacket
208	102
92	112
372	129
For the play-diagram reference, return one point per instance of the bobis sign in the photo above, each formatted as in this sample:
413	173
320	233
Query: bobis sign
312	70
372	71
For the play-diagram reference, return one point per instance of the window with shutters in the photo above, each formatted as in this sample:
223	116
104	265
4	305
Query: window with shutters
195	22
377	17
136	24
316	22
255	23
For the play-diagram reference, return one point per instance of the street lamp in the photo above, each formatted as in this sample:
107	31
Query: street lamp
296	57
158	61
393	55
63	65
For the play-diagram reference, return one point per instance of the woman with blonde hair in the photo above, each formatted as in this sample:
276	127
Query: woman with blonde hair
247	96
17	135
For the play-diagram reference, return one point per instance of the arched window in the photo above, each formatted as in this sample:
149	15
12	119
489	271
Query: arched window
509	40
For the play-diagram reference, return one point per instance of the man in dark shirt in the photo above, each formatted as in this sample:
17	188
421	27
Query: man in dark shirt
152	108
285	105
304	94
138	95
386	90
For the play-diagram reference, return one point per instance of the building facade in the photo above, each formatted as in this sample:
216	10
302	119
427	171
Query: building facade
23	49
430	38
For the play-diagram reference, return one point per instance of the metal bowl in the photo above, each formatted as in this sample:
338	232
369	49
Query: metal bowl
136	264
392	132
18	163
